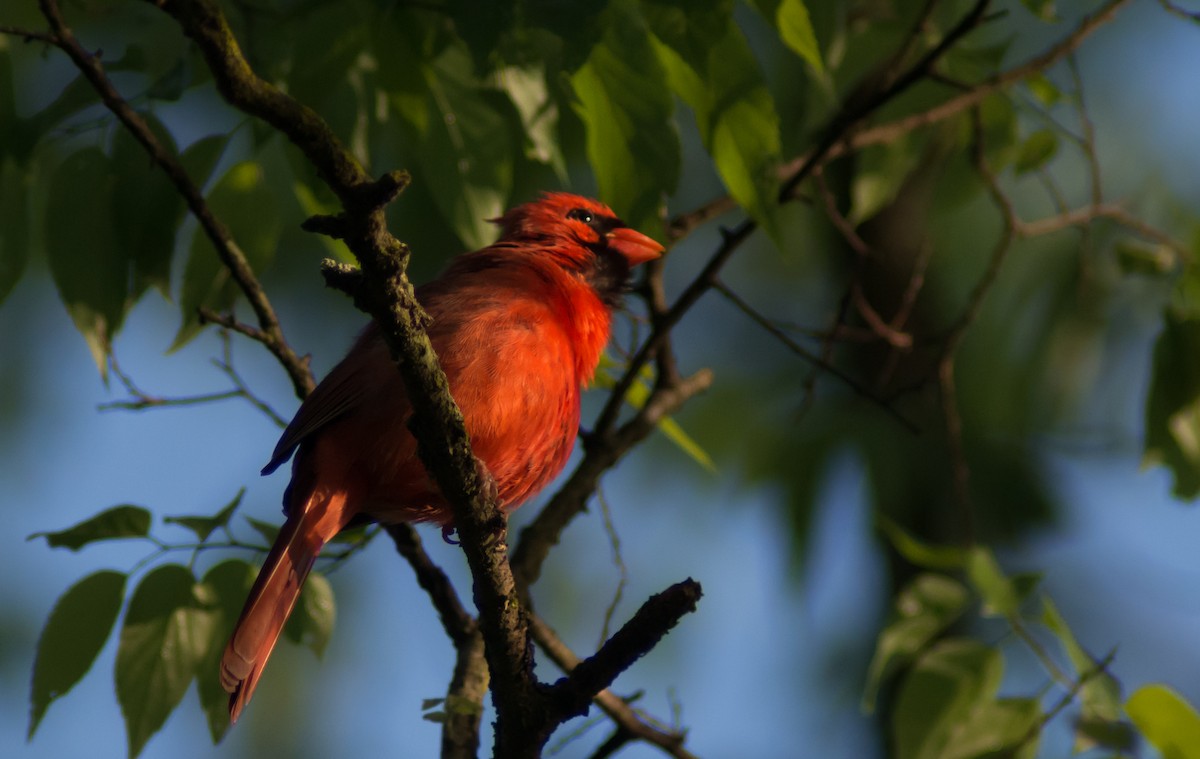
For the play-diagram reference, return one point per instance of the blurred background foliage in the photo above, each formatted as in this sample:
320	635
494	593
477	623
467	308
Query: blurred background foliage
997	289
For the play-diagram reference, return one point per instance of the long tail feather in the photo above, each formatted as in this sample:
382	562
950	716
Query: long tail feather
275	593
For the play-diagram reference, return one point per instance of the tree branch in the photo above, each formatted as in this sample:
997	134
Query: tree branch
227	249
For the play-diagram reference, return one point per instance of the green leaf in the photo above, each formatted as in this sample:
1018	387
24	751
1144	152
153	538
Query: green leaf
242	200
166	634
1046	91
526	88
124	521
14	225
89	265
921	554
1167	721
1150	259
923	609
624	102
1036	151
637	395
147	209
796	31
204	526
882	173
1173	403
1007	727
710	65
268	531
993	586
311	623
201	157
1100	696
76	630
1043	10
946	685
224	589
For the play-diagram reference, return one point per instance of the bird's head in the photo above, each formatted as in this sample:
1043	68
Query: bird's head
577	225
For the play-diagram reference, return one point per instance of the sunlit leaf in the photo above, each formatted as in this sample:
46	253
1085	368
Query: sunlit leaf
124	521
1046	91
923	609
166	634
1166	720
921	554
76	630
624	102
526	87
710	65
467	145
204	526
796	31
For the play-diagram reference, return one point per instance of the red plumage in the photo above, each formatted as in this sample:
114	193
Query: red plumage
518	327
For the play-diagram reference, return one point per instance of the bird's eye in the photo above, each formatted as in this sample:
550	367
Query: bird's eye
581	214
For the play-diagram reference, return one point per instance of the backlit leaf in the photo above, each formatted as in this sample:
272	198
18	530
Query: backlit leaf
166	634
624	102
204	526
796	31
710	65
124	521
1167	721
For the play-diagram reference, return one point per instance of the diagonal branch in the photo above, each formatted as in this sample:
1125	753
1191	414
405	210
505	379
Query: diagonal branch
270	331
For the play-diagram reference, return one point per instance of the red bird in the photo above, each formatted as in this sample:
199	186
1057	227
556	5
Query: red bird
519	327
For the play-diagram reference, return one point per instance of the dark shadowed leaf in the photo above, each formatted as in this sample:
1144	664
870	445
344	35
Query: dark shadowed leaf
1173	403
625	104
224	590
204	526
201	157
90	267
75	632
311	623
242	200
124	521
147	209
14	224
268	531
166	634
924	608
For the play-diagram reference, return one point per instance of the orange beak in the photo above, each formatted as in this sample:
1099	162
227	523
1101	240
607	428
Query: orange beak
635	246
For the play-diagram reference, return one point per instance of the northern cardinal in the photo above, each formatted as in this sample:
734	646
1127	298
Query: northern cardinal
519	327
